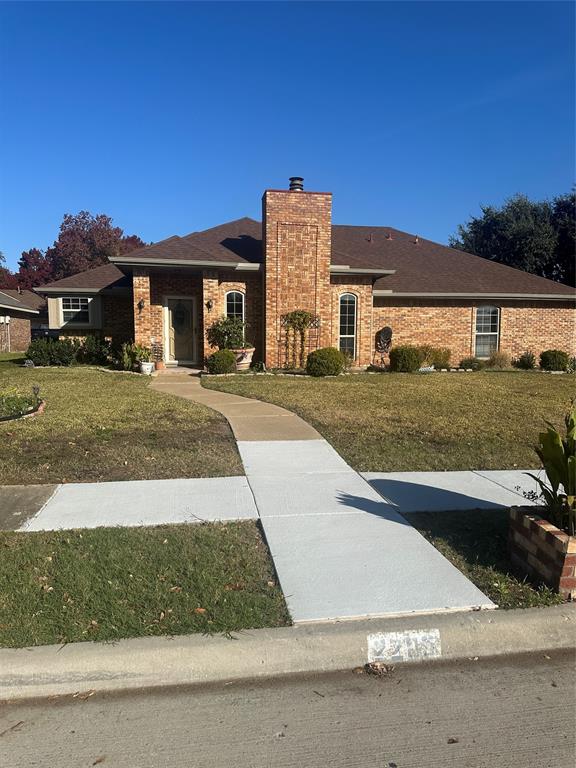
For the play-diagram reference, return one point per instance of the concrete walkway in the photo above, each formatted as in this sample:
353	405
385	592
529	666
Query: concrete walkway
340	550
144	502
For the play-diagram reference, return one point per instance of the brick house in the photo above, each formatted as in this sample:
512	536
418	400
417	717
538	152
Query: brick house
356	280
20	312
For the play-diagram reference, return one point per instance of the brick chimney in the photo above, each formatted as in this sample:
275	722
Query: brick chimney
296	237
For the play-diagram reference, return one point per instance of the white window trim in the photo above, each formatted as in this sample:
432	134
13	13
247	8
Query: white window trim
243	302
349	336
70	323
495	333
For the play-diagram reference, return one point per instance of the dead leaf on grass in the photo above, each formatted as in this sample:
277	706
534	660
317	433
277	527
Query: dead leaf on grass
199	610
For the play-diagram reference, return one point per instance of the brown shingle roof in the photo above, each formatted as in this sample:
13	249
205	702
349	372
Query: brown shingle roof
97	279
422	267
25	298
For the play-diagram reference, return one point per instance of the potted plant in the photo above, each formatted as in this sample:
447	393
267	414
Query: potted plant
542	540
143	357
230	333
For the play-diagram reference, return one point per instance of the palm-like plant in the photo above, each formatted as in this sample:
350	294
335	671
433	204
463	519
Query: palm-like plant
558	457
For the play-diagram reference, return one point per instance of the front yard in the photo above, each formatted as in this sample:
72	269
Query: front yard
418	422
102	426
110	583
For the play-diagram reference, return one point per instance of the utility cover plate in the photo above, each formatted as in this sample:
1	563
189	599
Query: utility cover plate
411	645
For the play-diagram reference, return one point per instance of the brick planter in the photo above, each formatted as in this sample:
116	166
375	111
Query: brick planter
542	551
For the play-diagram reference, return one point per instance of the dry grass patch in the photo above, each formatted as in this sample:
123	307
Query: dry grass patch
101	426
402	422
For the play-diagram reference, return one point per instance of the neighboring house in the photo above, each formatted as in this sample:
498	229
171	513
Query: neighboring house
20	312
356	280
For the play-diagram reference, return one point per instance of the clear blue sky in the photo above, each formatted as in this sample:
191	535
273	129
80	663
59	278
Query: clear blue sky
173	117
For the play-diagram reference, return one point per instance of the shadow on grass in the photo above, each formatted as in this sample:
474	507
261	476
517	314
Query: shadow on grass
475	542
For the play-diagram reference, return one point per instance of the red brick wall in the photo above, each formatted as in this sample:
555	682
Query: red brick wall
15	335
542	552
532	326
296	233
118	318
362	289
217	285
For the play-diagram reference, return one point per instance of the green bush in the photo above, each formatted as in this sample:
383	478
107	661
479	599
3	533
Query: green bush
227	333
52	352
526	361
328	361
223	361
405	358
94	350
499	361
439	357
473	363
554	360
39	352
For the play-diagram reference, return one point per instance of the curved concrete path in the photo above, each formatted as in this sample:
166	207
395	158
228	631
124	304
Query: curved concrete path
340	550
249	419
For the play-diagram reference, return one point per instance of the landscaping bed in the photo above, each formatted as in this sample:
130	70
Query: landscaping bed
417	422
112	583
476	543
104	426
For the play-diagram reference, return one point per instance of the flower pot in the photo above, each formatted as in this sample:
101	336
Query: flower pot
160	365
146	367
243	358
542	551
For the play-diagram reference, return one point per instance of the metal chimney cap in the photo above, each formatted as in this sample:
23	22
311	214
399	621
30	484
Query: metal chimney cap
296	184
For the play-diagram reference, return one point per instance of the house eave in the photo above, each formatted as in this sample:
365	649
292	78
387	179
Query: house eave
472	295
11	308
198	263
346	269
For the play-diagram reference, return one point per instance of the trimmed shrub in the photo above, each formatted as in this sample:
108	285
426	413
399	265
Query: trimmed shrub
94	350
223	361
227	333
439	357
405	359
473	363
554	360
39	352
52	352
499	361
328	361
526	361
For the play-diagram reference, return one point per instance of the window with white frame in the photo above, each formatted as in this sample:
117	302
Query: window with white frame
76	309
235	305
487	330
347	338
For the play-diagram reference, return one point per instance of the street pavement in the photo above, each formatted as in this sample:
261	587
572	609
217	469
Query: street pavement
510	712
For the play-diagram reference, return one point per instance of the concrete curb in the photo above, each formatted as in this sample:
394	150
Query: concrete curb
148	662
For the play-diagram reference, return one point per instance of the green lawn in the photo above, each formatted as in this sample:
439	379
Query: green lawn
110	583
101	426
475	542
401	422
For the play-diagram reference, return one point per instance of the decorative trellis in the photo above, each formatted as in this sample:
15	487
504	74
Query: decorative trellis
296	326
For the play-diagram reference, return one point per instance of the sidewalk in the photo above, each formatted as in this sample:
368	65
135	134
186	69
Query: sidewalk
340	551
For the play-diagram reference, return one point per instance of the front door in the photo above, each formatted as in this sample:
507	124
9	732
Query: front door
181	332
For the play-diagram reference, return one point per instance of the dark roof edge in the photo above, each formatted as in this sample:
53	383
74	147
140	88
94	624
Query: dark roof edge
477	295
246	266
19	308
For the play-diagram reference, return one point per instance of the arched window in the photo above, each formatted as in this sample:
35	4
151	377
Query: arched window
235	305
347	340
487	331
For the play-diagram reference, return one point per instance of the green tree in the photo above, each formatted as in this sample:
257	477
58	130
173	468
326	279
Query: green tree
536	236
